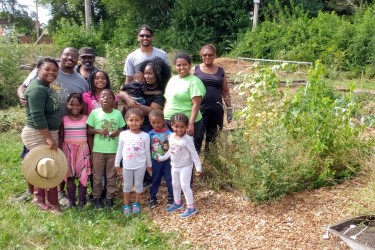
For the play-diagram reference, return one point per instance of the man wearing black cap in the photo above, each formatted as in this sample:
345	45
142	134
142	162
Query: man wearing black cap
87	59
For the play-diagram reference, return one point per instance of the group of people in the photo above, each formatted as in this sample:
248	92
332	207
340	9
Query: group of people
159	132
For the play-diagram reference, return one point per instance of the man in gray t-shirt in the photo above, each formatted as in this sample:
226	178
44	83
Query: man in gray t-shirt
145	52
68	81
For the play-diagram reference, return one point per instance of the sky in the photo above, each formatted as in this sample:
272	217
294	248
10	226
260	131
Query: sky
43	14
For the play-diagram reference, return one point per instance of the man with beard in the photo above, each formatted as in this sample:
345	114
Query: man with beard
87	59
68	81
145	52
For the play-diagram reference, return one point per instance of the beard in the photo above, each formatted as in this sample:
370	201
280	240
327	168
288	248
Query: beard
88	65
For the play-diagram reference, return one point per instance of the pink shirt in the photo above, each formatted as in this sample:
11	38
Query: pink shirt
93	103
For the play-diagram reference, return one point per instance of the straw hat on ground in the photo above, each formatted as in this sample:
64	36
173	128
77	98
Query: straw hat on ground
45	168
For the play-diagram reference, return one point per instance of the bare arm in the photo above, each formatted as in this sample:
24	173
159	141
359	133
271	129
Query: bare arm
196	100
227	99
21	89
48	137
124	96
226	93
128	79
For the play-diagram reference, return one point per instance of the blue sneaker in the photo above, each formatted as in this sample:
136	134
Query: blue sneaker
126	210
136	208
174	207
189	212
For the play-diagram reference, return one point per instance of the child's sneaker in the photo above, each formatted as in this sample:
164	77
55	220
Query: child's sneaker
153	203
174	207
189	212
136	208
126	210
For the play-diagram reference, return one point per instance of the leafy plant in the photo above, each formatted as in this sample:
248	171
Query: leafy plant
290	140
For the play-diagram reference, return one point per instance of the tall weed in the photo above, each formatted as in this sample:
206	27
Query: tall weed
291	140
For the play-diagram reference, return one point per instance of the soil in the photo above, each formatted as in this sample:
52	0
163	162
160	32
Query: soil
227	220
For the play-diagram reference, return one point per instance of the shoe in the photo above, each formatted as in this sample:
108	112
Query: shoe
63	199
56	210
109	203
174	207
136	208
26	196
91	198
189	212
81	205
126	210
170	200
98	203
71	204
147	183
153	203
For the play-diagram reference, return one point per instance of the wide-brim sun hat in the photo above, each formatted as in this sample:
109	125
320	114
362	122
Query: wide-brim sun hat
44	168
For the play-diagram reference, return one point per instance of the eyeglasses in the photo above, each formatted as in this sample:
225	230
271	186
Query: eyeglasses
208	55
147	36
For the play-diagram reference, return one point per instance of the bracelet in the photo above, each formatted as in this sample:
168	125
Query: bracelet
230	108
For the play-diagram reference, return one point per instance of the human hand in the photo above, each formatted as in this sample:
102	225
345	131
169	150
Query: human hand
103	132
190	129
51	144
114	134
23	100
130	103
229	114
149	169
118	170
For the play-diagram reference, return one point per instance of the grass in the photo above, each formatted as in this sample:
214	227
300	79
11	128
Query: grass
23	226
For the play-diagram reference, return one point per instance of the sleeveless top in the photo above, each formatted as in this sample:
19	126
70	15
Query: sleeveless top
75	131
214	87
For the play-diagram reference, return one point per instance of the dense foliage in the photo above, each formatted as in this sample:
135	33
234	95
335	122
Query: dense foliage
344	44
289	141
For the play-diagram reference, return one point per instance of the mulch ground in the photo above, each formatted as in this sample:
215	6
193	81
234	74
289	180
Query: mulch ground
226	220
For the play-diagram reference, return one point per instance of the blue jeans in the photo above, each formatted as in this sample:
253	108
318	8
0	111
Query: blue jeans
160	170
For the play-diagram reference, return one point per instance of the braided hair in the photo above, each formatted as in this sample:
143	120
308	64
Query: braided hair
161	69
179	117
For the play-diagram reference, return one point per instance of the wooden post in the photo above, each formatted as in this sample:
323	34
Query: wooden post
256	12
37	26
88	14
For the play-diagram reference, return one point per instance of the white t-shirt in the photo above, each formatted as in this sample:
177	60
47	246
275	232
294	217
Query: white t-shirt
137	57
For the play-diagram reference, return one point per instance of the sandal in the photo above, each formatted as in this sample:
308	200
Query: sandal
126	210
136	208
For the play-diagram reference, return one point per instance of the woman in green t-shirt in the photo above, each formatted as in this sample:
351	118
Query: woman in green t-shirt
184	93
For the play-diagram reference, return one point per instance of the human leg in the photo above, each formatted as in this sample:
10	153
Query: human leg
200	137
185	177
168	176
71	188
52	196
98	169
157	175
214	126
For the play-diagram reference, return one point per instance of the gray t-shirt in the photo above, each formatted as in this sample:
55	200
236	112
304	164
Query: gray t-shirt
134	60
64	85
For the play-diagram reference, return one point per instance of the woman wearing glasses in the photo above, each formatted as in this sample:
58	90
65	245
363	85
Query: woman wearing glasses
212	109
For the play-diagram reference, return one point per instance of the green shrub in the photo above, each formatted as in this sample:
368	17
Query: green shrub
70	34
114	65
290	141
12	119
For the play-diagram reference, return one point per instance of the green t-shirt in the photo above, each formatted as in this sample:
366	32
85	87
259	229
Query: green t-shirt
179	92
113	121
